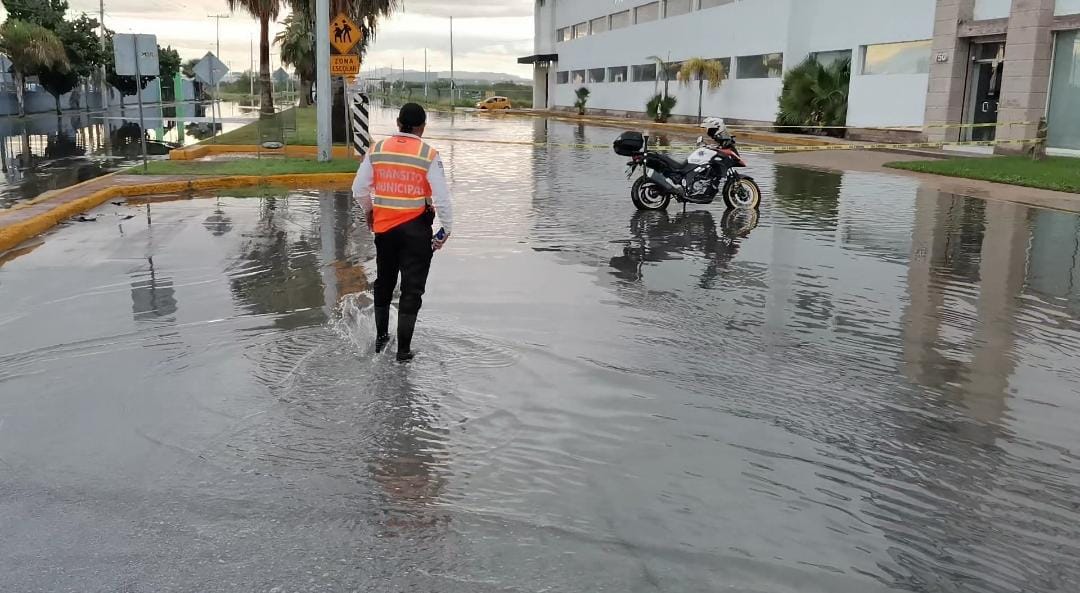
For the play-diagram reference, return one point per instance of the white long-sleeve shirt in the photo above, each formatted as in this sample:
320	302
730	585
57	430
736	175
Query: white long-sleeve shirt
440	191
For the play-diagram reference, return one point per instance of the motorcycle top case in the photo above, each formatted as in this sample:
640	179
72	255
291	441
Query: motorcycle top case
629	144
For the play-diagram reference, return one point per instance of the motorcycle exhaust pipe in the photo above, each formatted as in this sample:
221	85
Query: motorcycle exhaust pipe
663	182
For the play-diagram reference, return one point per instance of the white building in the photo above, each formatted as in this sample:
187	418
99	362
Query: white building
905	72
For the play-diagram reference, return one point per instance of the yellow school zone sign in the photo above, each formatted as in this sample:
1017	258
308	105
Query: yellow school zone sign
347	65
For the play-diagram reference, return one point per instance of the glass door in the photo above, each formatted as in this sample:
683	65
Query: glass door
1063	130
984	90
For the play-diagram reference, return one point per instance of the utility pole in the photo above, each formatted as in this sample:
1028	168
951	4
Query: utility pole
104	74
251	67
453	86
217	85
323	108
402	75
425	73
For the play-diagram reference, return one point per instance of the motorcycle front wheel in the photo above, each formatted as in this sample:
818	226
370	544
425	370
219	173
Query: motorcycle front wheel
648	196
742	193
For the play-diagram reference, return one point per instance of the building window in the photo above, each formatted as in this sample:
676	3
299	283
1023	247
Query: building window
647	12
616	74
677	8
1063	124
912	57
828	58
714	3
726	63
578	76
562	34
620	20
760	66
644	73
596	74
581	30
673	70
598	25
562	77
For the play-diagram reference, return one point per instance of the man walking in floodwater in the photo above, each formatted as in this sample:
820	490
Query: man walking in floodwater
401	187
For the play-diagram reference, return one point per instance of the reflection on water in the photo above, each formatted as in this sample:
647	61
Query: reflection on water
868	387
46	152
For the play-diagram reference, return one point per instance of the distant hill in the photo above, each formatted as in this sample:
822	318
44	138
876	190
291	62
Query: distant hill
462	77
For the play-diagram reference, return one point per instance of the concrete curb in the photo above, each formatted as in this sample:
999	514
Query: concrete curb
14	234
199	151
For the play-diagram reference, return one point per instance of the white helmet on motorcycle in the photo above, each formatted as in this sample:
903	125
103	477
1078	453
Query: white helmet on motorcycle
711	123
714	127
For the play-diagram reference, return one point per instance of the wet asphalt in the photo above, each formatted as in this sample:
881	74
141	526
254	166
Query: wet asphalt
867	386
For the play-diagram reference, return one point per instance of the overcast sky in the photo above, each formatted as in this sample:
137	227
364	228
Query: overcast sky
489	35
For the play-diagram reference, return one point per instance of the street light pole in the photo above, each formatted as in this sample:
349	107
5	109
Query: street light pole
104	74
217	83
324	94
453	85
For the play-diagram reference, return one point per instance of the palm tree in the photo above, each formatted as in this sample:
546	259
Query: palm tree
815	97
30	48
711	71
663	68
265	11
366	13
297	43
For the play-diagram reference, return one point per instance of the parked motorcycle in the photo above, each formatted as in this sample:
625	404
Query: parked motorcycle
709	171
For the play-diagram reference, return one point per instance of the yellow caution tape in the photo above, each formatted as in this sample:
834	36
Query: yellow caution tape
746	148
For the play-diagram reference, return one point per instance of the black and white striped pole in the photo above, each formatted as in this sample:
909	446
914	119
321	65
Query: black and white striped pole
361	135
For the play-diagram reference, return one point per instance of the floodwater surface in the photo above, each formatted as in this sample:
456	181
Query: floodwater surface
868	387
45	152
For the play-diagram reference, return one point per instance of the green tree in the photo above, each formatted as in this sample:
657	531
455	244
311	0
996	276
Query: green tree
582	95
659	107
47	13
31	48
297	43
704	71
169	65
84	55
188	68
265	11
815	97
366	13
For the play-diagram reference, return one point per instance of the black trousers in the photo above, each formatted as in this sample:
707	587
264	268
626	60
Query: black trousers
404	249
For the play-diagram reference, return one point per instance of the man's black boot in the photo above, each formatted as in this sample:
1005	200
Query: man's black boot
382	328
406	326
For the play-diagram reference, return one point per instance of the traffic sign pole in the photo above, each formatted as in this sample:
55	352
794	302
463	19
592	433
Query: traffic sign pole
322	79
138	94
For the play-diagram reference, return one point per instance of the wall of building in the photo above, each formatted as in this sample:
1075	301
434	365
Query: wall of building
1065	7
992	9
750	27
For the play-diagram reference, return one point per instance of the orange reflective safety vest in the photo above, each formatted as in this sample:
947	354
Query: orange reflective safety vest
401	190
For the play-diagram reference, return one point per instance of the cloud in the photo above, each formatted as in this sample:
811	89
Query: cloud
489	35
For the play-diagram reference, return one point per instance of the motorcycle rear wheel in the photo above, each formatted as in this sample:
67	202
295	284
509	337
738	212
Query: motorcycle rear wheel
743	194
646	195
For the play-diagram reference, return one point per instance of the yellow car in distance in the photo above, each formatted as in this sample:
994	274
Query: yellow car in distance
494	103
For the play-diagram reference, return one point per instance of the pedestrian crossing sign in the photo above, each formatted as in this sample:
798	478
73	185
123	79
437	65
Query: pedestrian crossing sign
344	34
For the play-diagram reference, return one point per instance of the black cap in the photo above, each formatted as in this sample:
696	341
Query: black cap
411	116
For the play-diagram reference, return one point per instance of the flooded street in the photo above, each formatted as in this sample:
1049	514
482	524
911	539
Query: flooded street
870	387
45	152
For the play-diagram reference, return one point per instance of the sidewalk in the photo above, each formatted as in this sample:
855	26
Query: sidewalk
870	161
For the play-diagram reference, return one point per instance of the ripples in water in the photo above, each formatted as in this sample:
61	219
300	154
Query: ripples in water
867	387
